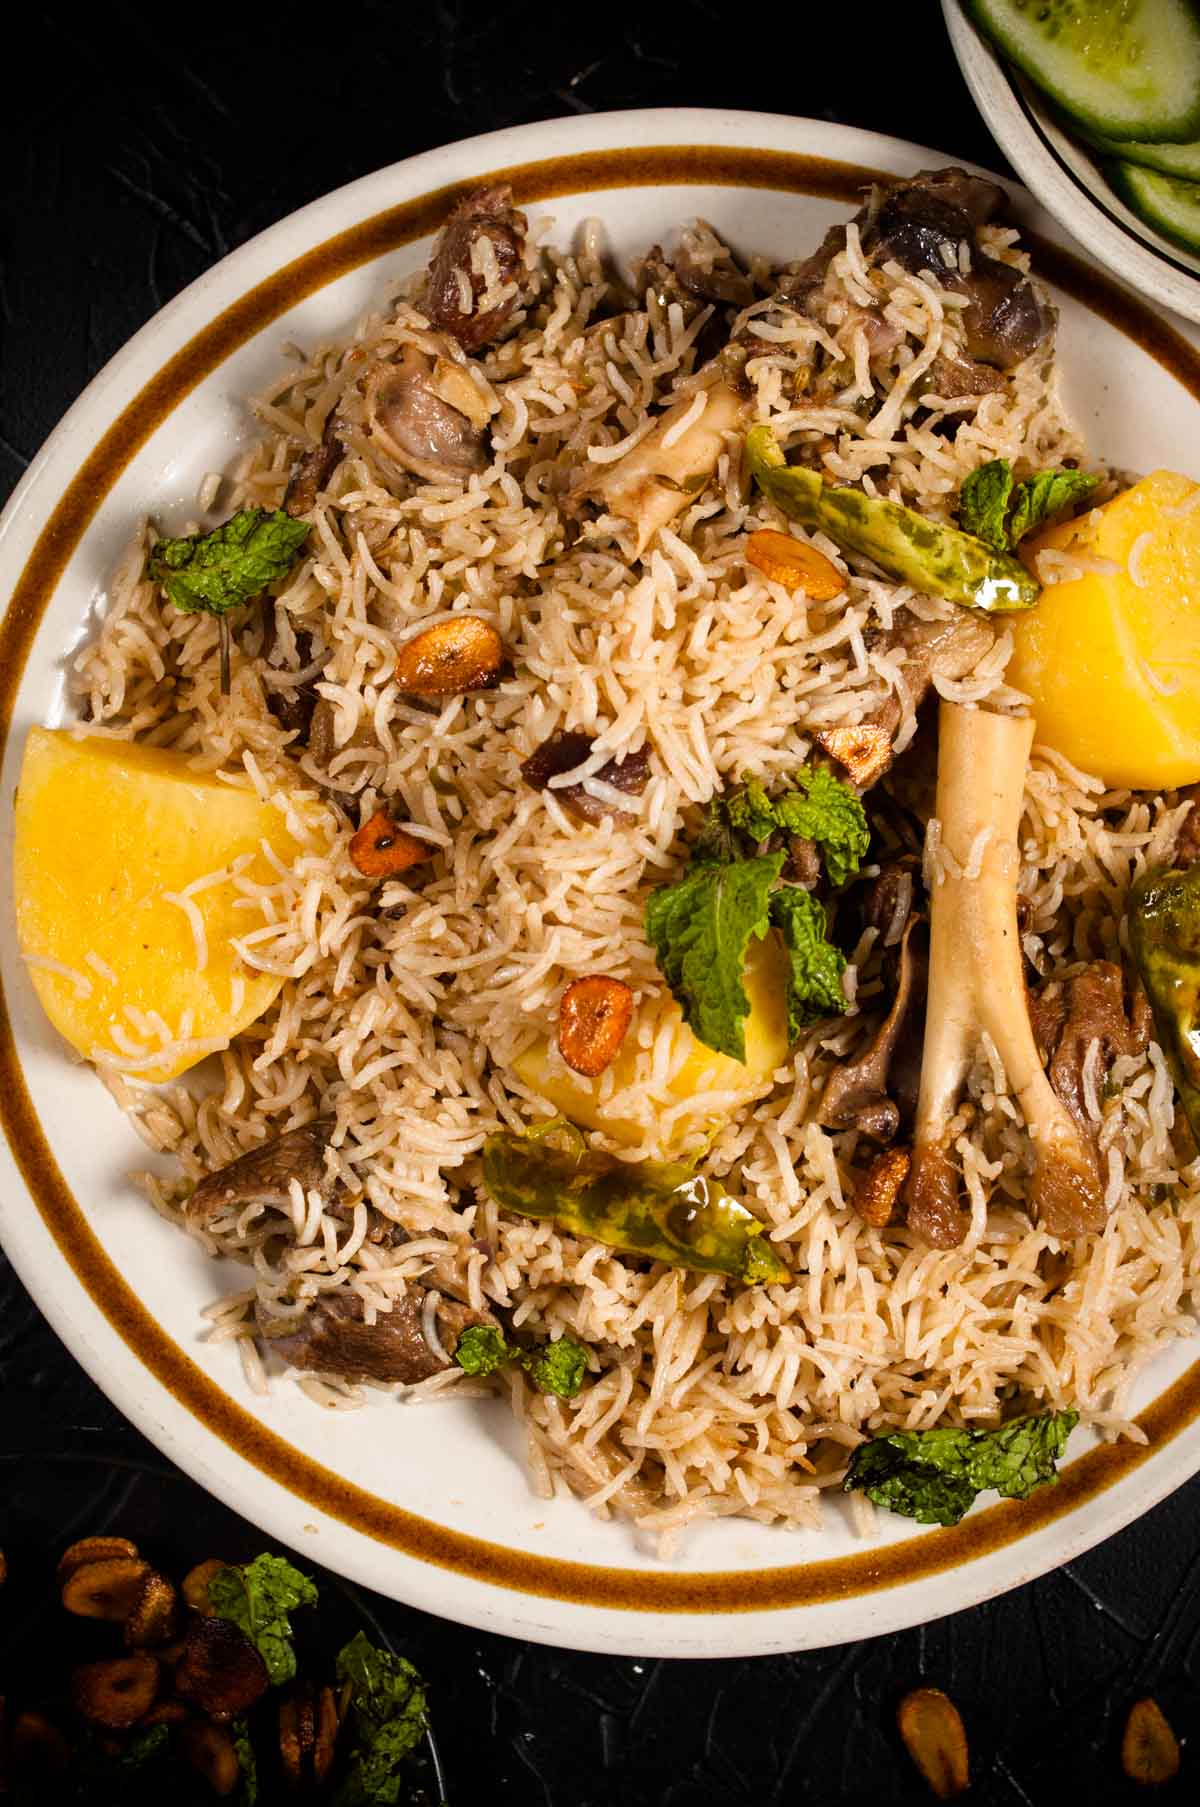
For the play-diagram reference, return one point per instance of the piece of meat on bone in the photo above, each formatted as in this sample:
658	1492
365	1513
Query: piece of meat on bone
668	469
929	650
977	990
416	427
476	277
920	224
413	1341
1070	1016
264	1175
861	1093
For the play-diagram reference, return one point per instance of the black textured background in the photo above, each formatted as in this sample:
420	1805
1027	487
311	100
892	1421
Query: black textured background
142	145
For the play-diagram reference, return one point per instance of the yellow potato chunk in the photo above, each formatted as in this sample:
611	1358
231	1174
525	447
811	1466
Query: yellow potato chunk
702	1070
1111	658
104	831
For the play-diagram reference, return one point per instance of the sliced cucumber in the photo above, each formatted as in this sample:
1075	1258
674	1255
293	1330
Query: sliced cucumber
1172	207
1172	159
1124	68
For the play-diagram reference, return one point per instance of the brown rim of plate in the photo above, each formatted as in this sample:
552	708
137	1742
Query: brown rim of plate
578	1583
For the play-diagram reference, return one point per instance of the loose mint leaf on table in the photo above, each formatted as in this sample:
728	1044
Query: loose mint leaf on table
935	1475
1001	512
700	928
388	1721
247	1794
258	1599
228	567
145	1747
815	965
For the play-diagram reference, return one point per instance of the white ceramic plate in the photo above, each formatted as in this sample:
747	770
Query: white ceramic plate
1067	178
431	1505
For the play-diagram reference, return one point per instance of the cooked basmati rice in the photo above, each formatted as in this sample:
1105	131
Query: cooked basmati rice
403	1007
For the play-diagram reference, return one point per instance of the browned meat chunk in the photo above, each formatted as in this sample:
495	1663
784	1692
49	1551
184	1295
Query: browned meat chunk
1068	1016
1187	846
312	471
1005	318
889	898
334	1339
800	279
264	1175
567	749
921	224
706	267
953	378
803	863
876	1197
484	231
932	649
292	705
862	1093
320	732
416	428
932	1197
936	208
656	276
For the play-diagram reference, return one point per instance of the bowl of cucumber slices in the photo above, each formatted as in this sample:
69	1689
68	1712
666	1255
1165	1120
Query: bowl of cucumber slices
1096	103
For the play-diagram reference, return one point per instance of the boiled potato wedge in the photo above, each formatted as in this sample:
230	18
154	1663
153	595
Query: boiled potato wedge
1111	658
543	1070
104	831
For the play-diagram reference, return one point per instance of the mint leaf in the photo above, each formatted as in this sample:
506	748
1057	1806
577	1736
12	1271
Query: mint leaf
223	569
983	502
718	841
700	929
818	806
144	1748
389	1719
258	1598
815	965
1044	494
750	813
247	1794
552	1367
557	1368
934	1476
1001	513
482	1349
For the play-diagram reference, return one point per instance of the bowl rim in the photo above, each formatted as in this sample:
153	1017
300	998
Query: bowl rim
210	1436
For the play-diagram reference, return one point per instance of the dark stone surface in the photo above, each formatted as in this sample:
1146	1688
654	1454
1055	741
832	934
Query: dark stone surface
142	145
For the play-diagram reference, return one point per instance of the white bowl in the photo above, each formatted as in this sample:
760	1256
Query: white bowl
1066	176
432	1505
